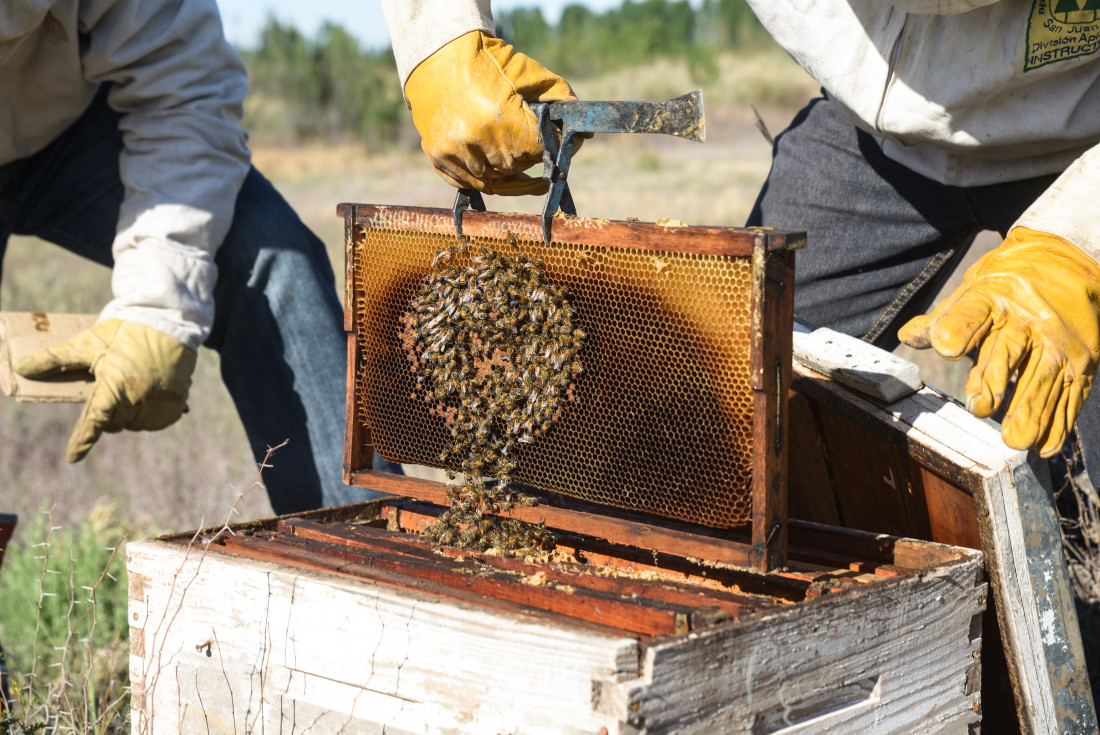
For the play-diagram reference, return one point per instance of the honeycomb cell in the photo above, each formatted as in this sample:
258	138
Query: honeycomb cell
660	420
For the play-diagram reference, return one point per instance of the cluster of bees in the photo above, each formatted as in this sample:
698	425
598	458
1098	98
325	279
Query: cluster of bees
497	352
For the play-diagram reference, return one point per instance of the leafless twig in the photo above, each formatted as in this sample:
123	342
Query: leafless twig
144	720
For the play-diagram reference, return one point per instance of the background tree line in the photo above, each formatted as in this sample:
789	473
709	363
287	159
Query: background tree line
331	89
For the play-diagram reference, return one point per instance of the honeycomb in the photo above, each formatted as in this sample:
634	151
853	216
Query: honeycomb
660	420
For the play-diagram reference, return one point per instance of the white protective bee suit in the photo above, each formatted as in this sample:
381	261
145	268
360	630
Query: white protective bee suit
120	140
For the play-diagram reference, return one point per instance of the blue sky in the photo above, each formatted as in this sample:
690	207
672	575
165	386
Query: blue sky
243	19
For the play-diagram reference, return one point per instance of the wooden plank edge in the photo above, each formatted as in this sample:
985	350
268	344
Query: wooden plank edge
706	240
665	590
483	589
1038	620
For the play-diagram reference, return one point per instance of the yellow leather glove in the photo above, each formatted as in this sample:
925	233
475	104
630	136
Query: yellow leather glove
468	102
1033	305
141	379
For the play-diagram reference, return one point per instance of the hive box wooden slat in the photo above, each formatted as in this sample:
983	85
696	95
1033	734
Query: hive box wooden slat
921	466
222	643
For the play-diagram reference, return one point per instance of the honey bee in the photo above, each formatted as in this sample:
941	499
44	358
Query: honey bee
499	309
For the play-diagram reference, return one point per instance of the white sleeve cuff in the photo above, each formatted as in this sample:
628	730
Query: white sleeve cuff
163	283
1068	208
419	28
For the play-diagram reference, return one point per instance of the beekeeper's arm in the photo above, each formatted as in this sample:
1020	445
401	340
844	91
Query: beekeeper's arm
468	93
180	88
1032	308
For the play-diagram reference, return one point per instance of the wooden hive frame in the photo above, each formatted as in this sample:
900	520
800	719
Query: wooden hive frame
772	255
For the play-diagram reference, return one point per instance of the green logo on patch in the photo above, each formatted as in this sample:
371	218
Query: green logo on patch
1061	29
1072	12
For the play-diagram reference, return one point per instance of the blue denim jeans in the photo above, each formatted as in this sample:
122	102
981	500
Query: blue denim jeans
278	324
882	239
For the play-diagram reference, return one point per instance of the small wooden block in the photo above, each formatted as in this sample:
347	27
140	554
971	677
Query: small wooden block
25	333
7	528
858	365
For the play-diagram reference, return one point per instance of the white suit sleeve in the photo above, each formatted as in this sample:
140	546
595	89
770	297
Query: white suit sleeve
1068	208
180	88
419	28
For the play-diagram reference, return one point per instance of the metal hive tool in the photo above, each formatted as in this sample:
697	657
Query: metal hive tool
680	409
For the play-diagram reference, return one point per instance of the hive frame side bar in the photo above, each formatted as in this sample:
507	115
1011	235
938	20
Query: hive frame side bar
358	447
350	214
772	316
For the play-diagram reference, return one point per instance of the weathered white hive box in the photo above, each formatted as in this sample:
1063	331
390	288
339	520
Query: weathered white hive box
322	624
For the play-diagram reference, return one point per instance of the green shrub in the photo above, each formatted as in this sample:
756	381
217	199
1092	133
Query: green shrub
63	606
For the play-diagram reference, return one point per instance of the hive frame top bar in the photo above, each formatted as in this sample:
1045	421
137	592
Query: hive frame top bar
701	240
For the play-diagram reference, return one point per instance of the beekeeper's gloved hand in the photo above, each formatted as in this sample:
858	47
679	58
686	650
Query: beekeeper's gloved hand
468	102
1033	306
141	379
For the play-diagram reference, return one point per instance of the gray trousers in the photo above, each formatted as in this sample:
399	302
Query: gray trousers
882	238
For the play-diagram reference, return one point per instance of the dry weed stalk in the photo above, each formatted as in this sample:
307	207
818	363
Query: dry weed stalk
89	693
1081	538
42	594
48	704
1079	512
143	719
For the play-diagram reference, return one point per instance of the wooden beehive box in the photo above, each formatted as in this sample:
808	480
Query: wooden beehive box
914	463
330	622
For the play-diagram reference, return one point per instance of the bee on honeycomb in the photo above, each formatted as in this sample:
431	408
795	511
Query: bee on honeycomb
497	350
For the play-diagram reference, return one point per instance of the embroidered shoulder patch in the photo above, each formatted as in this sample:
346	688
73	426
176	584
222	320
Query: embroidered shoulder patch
1061	29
